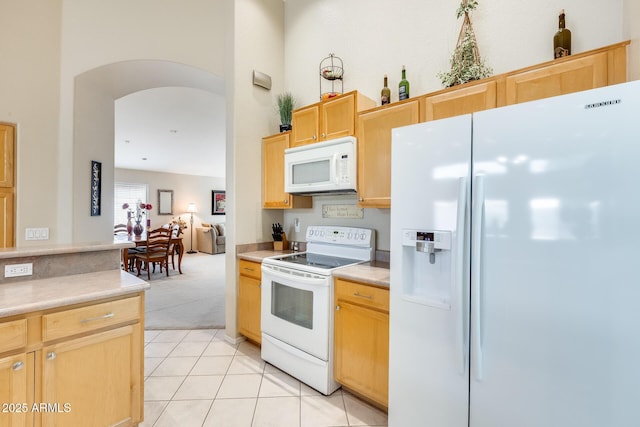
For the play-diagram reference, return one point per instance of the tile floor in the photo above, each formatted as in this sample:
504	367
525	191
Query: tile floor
195	378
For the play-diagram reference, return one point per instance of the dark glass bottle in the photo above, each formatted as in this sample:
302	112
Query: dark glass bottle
403	86
385	94
562	39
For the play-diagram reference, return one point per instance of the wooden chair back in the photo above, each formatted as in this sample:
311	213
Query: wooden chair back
157	250
119	229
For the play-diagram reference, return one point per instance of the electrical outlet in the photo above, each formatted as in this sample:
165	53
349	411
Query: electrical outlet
15	270
36	233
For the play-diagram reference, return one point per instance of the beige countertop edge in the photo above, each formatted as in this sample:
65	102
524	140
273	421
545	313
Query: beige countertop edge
29	251
258	256
365	273
35	295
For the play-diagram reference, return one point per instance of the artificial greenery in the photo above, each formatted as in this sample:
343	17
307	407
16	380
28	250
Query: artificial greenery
286	104
466	64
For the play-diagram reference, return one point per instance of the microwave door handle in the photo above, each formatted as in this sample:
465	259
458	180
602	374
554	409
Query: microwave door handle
335	168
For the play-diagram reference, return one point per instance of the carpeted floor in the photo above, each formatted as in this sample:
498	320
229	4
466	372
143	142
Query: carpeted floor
192	300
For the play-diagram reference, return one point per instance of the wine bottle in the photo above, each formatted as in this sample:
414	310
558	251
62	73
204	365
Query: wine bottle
403	86
562	39
385	95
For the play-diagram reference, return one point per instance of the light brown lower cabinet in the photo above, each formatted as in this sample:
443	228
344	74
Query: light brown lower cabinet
249	299
361	339
74	366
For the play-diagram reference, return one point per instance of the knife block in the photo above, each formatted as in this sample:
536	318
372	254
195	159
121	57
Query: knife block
281	245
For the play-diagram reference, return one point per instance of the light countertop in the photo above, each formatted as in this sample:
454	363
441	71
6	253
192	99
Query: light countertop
42	294
258	256
33	251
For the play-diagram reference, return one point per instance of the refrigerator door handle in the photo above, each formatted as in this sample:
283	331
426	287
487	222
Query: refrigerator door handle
462	338
476	252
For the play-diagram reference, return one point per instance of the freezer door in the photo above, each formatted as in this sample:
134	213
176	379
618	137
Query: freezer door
556	294
428	374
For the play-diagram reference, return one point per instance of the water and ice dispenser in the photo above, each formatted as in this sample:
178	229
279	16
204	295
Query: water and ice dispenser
426	264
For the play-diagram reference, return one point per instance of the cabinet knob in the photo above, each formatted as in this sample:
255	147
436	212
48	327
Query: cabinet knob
360	199
285	201
51	355
324	135
337	308
314	137
17	366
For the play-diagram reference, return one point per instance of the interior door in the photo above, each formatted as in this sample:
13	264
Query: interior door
7	185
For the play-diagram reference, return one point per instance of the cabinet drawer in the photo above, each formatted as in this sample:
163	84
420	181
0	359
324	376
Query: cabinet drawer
83	319
13	335
362	294
250	269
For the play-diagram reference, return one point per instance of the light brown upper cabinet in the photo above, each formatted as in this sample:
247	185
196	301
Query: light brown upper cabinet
328	119
454	102
374	150
273	194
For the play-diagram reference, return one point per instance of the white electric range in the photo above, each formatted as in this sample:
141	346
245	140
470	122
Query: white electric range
297	302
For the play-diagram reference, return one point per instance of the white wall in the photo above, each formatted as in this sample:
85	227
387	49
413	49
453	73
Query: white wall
632	32
29	97
376	37
186	189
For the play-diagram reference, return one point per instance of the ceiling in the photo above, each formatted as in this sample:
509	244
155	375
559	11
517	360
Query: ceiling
171	129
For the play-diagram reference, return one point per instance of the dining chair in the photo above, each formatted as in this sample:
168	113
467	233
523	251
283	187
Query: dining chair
156	251
119	229
175	232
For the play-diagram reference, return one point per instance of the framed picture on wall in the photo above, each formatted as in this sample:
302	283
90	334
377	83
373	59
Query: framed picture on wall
218	202
96	187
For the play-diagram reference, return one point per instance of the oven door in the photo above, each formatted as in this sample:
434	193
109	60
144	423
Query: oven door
296	308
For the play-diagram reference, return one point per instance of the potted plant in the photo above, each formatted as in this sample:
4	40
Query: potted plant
286	105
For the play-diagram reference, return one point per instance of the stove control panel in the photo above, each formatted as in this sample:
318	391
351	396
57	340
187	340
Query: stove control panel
352	236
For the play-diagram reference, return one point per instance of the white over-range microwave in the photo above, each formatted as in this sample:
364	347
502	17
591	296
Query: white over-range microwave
323	167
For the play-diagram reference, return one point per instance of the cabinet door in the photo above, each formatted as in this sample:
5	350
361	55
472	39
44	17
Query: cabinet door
273	194
7	217
94	380
338	117
461	101
7	147
374	151
249	300
361	349
305	124
559	79
16	404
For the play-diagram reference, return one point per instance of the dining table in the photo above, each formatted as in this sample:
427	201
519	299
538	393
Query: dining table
142	241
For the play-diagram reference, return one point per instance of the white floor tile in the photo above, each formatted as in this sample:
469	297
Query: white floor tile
231	413
212	365
306	390
158	349
279	385
360	413
245	365
184	413
152	411
171	335
235	386
175	366
199	387
200	335
188	349
246	348
277	412
161	388
323	411
219	348
150	335
150	364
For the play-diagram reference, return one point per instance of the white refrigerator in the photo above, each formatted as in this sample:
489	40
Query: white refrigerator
515	247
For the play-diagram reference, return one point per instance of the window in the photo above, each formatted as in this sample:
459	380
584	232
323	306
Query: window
127	193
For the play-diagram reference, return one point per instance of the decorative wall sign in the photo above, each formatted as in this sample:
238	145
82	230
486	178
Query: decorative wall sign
96	187
342	211
218	202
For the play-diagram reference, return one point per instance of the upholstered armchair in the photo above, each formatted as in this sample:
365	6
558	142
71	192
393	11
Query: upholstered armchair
211	238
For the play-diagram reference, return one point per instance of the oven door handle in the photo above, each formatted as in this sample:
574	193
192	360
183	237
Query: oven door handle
311	281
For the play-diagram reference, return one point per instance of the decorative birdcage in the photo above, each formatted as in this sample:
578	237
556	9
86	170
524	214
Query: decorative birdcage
466	63
331	74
